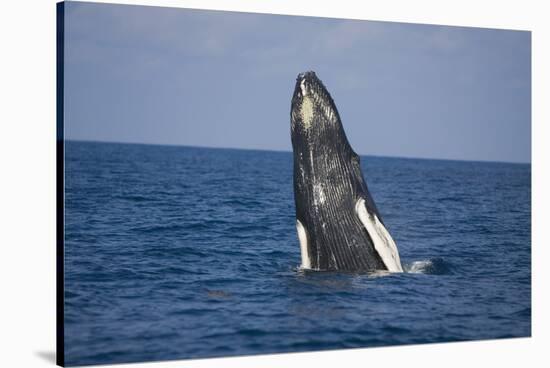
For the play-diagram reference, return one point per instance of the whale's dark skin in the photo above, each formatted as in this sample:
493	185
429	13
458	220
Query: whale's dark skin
328	183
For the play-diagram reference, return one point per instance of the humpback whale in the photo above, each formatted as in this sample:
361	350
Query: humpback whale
339	227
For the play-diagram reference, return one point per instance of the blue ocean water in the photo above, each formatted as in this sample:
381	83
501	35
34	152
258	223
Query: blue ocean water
180	252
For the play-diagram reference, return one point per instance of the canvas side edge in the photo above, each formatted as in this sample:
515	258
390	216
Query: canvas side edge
60	186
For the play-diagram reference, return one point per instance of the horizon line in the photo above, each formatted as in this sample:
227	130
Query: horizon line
287	151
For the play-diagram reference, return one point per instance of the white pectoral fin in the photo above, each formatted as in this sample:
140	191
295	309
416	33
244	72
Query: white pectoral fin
381	238
302	236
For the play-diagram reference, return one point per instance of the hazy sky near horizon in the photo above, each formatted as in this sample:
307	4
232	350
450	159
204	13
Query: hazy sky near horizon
220	79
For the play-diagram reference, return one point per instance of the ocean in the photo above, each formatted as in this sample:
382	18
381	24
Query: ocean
180	252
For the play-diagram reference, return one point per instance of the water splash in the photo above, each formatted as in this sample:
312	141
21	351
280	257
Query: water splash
434	266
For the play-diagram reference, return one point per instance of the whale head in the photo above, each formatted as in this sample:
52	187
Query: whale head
319	142
315	122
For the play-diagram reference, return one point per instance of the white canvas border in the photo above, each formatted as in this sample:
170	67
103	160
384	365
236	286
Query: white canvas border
28	181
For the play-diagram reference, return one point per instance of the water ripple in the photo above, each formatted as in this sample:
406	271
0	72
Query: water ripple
180	252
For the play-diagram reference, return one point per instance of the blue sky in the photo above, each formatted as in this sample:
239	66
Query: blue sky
221	79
